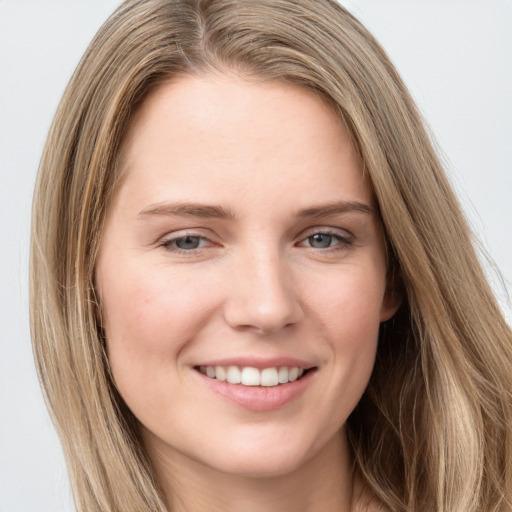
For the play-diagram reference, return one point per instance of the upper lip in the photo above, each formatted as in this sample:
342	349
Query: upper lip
259	363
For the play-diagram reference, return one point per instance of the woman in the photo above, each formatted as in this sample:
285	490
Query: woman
252	286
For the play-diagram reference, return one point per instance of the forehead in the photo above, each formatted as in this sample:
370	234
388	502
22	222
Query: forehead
225	133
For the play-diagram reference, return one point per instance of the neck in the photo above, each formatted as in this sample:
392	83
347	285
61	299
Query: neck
324	483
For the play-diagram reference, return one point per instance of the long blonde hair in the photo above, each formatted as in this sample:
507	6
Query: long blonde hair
433	431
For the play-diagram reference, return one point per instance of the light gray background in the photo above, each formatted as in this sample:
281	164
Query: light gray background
456	57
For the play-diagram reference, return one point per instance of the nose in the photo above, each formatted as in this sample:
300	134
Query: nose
262	295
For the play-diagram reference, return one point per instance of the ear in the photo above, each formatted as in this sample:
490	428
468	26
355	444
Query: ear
392	297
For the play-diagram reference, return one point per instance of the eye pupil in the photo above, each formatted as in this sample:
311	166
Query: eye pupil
320	240
188	242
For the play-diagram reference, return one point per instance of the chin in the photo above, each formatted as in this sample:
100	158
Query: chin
273	458
259	467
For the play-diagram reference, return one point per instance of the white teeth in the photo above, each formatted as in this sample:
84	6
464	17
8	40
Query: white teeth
233	375
220	373
293	373
250	376
283	375
269	377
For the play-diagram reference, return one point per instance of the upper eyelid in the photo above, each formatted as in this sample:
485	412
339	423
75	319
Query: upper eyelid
171	238
327	230
181	233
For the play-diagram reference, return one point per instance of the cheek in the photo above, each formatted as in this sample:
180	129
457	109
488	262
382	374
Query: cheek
150	306
350	318
148	318
350	305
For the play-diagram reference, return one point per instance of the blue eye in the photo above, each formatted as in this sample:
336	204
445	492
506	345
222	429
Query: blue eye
321	240
188	242
185	243
326	241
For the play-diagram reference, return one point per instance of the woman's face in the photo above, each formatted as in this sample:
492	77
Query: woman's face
242	242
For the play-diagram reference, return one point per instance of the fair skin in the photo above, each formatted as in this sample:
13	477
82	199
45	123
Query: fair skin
243	234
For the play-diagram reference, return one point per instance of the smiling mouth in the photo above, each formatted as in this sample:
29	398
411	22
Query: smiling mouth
250	376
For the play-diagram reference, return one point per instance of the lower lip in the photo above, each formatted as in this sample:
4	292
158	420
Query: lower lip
259	398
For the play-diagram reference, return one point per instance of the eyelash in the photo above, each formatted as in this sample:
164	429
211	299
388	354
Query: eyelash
168	244
343	242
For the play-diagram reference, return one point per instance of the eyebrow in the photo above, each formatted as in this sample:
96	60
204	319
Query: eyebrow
334	208
188	210
218	212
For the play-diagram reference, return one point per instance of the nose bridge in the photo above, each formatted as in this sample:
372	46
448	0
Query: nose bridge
262	296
